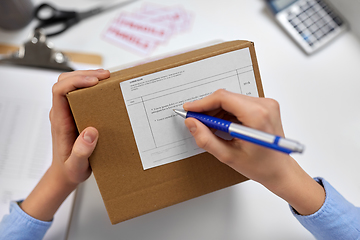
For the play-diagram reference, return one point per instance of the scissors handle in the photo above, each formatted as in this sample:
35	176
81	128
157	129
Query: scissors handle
60	20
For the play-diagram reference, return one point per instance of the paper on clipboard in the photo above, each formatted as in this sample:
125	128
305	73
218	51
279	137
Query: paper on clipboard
25	136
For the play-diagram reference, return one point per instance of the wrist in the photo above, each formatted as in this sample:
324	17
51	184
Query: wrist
48	195
59	176
275	173
297	188
281	180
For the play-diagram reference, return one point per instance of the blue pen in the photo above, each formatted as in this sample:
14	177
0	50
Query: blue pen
245	133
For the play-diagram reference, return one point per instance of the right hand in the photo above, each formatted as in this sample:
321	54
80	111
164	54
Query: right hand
277	171
253	161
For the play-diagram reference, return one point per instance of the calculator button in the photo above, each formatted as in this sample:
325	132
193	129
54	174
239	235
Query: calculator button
321	22
304	8
338	21
311	42
315	17
308	22
312	3
328	10
321	3
326	29
301	27
309	4
317	7
306	34
310	12
302	4
319	34
302	16
313	28
312	38
305	37
295	21
322	13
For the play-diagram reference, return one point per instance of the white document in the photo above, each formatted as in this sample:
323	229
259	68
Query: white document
161	136
25	138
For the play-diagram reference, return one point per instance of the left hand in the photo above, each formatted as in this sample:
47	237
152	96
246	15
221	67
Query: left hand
70	151
70	165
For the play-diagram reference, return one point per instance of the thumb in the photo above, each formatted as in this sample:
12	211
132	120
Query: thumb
78	163
206	140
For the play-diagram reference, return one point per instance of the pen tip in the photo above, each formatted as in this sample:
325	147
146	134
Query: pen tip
180	112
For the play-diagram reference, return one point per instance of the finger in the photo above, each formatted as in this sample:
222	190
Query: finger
251	111
74	80
77	164
220	99
99	73
62	123
206	140
60	89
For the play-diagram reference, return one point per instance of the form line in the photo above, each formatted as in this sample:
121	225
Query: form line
202	80
147	117
183	89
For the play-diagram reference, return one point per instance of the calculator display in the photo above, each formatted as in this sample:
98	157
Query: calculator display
278	5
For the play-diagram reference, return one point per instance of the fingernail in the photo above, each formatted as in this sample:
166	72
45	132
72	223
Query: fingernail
102	70
90	136
191	126
91	79
185	105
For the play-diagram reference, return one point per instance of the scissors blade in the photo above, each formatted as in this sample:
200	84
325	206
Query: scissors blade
92	12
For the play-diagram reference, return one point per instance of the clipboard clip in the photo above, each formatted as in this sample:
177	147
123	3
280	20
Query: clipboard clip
37	52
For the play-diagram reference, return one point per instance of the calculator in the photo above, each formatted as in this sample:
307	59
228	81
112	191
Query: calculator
311	23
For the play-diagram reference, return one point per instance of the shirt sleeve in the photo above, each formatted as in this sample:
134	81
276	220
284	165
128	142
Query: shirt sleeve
20	226
336	219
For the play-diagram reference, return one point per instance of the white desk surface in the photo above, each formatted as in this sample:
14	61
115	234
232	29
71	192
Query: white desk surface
319	98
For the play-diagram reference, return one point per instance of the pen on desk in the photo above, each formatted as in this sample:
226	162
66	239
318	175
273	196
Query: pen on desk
245	133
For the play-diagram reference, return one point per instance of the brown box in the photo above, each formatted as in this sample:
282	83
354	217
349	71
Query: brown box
127	190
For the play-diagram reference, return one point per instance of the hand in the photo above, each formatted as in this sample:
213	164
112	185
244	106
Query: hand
277	171
70	164
70	152
253	161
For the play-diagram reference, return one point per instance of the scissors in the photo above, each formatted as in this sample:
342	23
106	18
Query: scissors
54	21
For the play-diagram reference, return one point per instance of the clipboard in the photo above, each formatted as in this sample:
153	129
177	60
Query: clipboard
77	57
127	190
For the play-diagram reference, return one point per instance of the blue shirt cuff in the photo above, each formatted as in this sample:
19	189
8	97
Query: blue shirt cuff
336	219
20	225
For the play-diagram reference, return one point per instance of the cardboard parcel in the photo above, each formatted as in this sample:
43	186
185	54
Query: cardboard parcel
127	189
